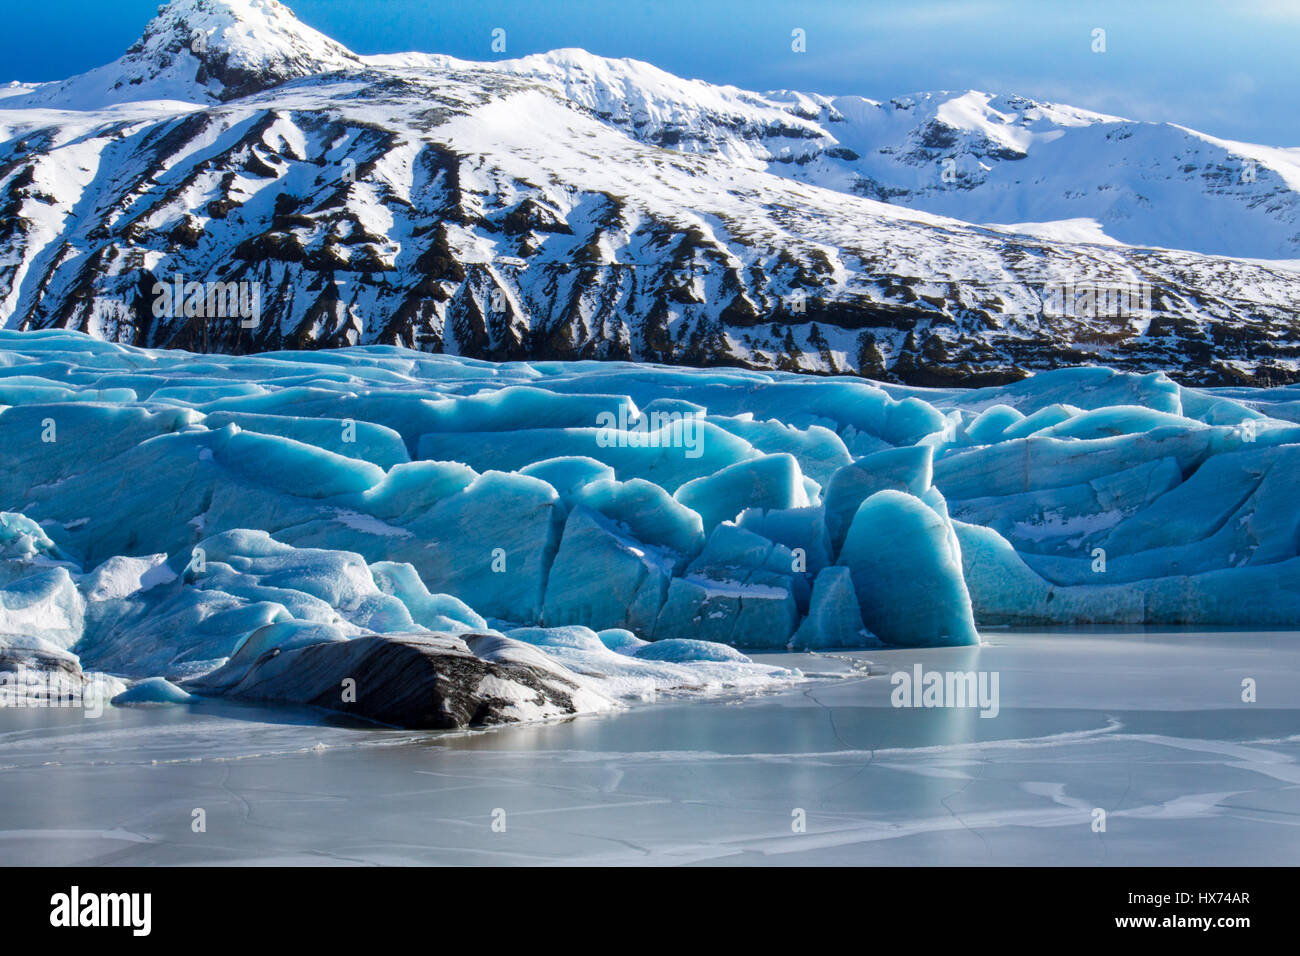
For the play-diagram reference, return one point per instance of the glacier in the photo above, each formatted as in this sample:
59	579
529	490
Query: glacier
514	541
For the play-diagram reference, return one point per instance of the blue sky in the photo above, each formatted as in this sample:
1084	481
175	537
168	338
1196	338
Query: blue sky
1226	68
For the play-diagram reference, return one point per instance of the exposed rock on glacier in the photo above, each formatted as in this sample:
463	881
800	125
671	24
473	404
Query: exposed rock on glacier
36	678
425	680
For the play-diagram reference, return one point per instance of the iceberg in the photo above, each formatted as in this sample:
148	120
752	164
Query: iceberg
152	690
905	561
908	469
743	590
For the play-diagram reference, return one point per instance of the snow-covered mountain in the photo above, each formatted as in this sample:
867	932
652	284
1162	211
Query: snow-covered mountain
205	51
1049	169
569	206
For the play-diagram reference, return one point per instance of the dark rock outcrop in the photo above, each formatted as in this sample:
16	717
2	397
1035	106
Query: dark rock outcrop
417	681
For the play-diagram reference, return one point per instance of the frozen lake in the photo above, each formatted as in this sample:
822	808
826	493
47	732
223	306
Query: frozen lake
1152	729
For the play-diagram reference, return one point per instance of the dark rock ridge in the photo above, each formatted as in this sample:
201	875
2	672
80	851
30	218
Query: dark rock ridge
40	678
533	211
417	681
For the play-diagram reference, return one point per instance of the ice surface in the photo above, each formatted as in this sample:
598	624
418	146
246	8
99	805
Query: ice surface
799	529
569	475
641	671
1188	773
41	610
160	511
992	424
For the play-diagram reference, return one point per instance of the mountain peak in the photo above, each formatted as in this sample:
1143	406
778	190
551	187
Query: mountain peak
207	51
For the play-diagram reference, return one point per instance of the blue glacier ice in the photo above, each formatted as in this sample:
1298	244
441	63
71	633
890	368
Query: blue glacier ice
991	425
163	515
908	469
153	690
772	481
602	577
834	616
905	561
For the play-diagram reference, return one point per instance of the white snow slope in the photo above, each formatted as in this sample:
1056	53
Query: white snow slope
569	206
